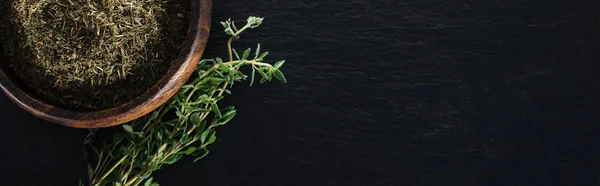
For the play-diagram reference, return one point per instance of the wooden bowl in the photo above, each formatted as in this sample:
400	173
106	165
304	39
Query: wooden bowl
179	72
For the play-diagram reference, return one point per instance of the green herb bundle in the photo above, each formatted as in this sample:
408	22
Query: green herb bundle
155	140
92	54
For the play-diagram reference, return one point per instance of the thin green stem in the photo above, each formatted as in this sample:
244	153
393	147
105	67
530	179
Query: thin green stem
113	168
236	35
253	62
229	49
103	166
129	170
203	74
100	156
137	182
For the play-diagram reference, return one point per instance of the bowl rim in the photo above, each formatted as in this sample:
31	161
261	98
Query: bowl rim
180	71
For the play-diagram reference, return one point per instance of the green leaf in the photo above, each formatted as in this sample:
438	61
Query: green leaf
128	128
235	53
231	78
263	74
223	67
227	109
226	91
204	61
154	115
190	150
229	31
170	124
144	176
216	80
179	97
212	138
233	25
217	98
266	74
204	153
202	98
227	117
219	73
159	135
148	182
230	113
162	148
172	160
225	25
279	64
215	109
193	105
238	65
201	68
246	53
257	52
239	78
140	134
263	55
179	114
252	76
200	110
263	80
204	135
254	22
187	86
195	119
218	60
279	75
201	127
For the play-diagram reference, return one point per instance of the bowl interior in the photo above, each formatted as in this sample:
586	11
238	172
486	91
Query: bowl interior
181	69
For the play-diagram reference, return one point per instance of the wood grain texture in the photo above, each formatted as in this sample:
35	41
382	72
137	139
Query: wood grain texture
162	91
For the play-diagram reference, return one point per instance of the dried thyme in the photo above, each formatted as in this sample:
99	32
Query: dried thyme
92	54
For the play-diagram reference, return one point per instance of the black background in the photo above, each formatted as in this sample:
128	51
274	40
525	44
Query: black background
389	92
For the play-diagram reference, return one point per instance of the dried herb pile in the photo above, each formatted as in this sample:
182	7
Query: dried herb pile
91	54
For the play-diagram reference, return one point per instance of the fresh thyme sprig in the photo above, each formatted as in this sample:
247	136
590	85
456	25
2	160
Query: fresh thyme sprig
148	143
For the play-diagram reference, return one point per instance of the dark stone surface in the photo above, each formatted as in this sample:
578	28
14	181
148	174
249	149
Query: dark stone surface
441	92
